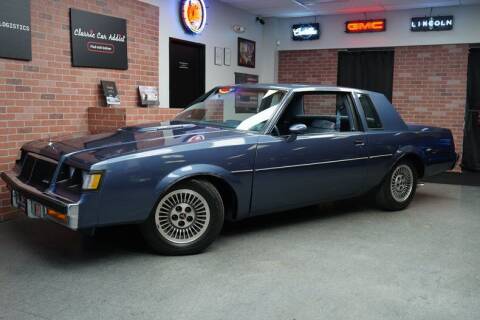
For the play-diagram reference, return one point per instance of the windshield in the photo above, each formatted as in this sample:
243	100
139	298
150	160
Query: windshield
238	108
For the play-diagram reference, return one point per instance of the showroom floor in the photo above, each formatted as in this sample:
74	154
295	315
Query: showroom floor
344	261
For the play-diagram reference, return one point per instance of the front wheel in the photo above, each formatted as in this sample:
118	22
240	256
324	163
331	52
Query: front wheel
398	188
186	220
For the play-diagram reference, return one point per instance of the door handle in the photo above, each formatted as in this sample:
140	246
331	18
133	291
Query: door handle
359	143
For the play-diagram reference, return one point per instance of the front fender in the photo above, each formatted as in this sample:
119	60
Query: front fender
240	183
194	170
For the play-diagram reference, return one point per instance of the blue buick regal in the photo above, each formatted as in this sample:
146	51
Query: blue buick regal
236	152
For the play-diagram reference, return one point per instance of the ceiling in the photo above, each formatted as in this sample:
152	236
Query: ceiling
297	8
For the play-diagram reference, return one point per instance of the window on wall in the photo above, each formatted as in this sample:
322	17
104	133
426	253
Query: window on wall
371	115
367	70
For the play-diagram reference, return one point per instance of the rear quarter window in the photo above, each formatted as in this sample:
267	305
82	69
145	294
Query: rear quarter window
371	115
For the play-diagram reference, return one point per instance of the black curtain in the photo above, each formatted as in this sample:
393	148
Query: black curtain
471	138
368	70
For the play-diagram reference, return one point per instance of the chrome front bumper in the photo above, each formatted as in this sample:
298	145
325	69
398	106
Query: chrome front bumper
41	205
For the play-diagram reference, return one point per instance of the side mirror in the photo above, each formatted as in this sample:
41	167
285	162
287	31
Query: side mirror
296	129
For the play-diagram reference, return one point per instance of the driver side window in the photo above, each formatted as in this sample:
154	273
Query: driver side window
321	112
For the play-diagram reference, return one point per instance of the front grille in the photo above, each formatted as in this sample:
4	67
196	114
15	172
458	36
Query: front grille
37	171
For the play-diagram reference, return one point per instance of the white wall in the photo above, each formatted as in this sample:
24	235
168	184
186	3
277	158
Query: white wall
276	35
466	30
217	33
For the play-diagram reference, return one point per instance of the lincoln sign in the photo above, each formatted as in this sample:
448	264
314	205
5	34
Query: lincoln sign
439	23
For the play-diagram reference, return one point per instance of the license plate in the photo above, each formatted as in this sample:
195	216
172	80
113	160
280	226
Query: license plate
18	201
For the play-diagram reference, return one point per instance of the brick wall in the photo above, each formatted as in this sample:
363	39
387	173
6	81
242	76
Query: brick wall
308	66
46	96
107	119
429	85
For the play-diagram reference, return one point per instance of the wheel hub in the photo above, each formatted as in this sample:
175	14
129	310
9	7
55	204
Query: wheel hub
182	216
401	185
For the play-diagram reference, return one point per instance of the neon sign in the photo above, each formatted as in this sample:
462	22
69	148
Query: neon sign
359	26
193	15
440	23
306	31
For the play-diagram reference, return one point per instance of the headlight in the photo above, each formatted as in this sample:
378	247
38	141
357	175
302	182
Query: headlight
91	181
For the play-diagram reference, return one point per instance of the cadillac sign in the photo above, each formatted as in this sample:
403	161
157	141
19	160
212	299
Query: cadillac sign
439	23
306	31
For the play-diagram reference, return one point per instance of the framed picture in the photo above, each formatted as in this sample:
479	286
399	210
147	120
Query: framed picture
241	78
246	53
218	56
227	57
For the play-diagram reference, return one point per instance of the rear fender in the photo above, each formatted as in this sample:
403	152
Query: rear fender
409	151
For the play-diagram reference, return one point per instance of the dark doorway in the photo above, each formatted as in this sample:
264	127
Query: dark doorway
471	138
368	70
187	72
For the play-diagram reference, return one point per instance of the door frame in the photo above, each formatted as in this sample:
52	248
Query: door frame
201	46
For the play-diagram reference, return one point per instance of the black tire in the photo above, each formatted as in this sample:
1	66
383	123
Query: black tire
156	235
387	198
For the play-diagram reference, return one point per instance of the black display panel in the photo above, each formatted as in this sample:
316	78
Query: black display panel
438	23
15	33
98	41
306	31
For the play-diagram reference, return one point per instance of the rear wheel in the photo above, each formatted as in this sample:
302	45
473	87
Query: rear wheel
186	219
398	188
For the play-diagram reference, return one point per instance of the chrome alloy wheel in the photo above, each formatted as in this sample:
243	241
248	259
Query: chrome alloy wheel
182	216
401	184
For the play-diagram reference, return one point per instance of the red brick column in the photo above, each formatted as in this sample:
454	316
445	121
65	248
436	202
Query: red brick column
47	96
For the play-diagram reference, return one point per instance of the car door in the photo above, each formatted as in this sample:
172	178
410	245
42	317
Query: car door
324	163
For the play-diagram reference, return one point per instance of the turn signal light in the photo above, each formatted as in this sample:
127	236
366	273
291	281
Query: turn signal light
57	215
365	26
91	181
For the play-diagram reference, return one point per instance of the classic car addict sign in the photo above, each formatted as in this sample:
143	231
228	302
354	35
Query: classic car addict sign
306	31
15	33
359	26
98	41
439	23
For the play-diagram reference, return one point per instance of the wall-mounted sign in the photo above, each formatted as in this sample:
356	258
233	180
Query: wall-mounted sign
359	26
241	78
98	41
439	23
15	34
148	95
306	31
110	92
193	15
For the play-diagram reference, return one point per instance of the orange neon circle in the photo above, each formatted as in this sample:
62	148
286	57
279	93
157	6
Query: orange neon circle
194	15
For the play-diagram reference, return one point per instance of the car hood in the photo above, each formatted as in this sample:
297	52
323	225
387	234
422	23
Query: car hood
87	150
